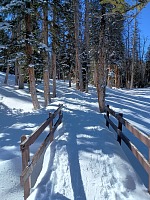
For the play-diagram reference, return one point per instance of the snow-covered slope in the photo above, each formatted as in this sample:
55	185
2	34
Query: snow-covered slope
84	161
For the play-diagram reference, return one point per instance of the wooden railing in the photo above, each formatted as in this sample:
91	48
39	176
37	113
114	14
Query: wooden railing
27	165
120	136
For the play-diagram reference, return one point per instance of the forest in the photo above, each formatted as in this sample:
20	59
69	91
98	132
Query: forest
83	41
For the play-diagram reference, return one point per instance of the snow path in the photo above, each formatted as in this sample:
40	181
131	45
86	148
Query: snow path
85	162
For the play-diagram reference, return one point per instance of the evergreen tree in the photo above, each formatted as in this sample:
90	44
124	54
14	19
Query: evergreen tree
4	40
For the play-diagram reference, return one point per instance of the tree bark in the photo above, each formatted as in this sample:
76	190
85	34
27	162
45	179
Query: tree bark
100	66
54	73
117	77
7	73
33	88
69	76
16	72
21	78
46	69
87	42
78	70
133	56
54	51
29	58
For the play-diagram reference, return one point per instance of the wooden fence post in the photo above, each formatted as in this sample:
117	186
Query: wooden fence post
51	128
25	160
107	114
120	128
60	114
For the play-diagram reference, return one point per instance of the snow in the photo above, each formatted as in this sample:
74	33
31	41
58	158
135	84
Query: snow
84	161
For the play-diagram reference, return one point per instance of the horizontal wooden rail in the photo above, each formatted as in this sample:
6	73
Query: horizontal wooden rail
57	111
141	136
32	138
131	146
27	166
121	136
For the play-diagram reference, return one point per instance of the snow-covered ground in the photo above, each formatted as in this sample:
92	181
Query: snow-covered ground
84	162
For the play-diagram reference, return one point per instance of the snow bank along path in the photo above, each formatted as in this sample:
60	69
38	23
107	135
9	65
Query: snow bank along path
85	162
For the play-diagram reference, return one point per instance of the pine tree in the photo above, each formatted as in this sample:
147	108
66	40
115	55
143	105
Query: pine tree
4	40
114	45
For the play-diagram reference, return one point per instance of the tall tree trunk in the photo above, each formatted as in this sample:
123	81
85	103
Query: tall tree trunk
19	69
78	71
7	73
16	72
117	77
133	56
109	79
29	58
87	42
127	59
46	69
20	76
15	33
54	73
100	66
54	50
32	87
142	63
69	77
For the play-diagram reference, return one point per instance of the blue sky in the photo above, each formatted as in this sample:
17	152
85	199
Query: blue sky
144	22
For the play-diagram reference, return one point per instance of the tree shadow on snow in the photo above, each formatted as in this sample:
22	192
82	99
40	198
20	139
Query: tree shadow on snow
89	135
59	196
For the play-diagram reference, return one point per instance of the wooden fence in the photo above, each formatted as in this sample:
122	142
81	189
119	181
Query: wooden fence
27	165
120	136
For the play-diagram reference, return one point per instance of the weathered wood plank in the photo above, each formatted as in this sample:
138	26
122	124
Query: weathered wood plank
131	146
120	128
111	123
112	112
31	139
58	110
57	123
136	152
25	160
140	135
29	169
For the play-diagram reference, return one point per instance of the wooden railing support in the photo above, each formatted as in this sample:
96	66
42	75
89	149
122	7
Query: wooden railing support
145	139
51	128
25	160
120	128
107	114
60	114
27	165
